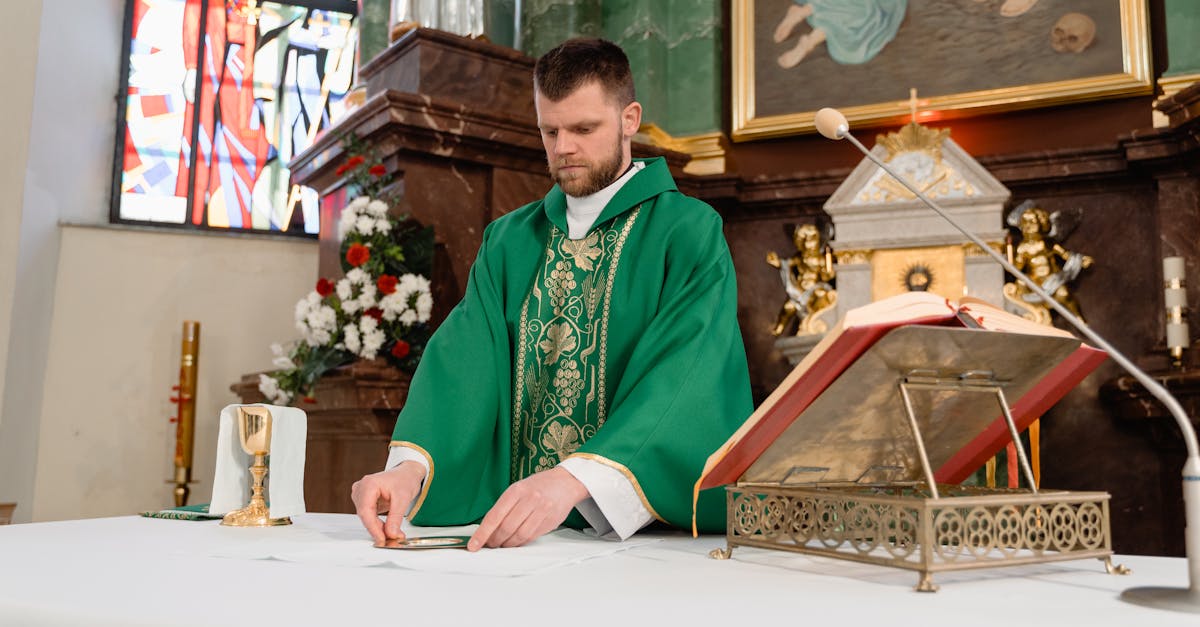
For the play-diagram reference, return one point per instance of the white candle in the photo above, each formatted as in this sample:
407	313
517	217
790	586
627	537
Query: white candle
1173	268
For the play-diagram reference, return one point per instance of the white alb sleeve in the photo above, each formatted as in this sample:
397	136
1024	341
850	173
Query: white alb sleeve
400	454
614	510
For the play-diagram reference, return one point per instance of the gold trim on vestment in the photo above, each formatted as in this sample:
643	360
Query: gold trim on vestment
428	477
573	346
628	475
608	288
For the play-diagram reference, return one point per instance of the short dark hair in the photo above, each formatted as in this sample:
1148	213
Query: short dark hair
576	62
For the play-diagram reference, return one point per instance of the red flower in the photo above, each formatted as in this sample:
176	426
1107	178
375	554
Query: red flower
342	169
400	349
357	255
377	170
324	287
386	284
375	313
355	161
310	399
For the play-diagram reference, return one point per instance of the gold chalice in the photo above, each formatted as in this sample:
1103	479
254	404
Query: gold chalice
254	432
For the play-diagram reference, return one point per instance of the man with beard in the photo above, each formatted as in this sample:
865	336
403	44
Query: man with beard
595	359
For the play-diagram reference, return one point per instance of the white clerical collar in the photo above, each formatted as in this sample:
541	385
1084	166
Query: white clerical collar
582	211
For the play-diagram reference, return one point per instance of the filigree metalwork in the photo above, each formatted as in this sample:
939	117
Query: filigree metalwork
967	527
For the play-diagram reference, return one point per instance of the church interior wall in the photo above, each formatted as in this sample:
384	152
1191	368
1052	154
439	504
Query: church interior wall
18	36
83	416
105	445
89	327
1077	156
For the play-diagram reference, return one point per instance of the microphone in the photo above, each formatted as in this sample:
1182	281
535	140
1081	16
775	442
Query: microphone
832	124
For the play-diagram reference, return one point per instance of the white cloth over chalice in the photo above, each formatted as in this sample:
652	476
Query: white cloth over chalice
285	465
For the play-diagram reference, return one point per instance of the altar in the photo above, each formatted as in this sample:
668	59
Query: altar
142	571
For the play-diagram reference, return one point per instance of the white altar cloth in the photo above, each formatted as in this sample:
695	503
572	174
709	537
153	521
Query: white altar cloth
141	571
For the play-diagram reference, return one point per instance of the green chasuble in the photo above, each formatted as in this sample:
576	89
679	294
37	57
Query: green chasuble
622	347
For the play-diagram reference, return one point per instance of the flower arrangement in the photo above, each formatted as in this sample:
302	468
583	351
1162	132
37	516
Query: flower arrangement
379	309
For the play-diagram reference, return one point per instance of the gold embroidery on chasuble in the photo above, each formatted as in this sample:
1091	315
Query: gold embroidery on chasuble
559	398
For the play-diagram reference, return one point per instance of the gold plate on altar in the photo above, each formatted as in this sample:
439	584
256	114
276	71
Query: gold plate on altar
428	542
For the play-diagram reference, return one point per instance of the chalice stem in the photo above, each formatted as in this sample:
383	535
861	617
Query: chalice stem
259	472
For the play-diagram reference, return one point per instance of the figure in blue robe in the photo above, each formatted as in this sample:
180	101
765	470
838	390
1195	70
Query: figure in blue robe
853	30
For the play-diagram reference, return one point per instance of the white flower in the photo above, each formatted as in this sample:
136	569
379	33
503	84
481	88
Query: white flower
410	303
383	225
424	306
376	208
269	387
350	333
350	216
364	224
343	288
372	341
366	299
284	362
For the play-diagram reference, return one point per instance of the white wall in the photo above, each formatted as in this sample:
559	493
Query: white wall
121	296
19	36
90	318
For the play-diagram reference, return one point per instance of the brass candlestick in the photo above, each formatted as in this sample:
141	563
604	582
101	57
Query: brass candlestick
185	427
254	432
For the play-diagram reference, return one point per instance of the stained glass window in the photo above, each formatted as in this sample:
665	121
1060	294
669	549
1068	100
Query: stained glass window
218	96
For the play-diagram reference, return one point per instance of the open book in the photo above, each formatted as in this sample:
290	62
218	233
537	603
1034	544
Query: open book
856	333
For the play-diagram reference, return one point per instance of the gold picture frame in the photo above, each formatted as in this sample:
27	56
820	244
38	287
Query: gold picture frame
771	101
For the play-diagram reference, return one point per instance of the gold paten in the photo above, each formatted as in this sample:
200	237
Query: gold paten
254	433
854	476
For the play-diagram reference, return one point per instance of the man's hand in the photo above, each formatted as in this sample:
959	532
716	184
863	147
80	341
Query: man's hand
529	509
383	492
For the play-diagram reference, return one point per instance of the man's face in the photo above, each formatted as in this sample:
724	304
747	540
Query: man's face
586	136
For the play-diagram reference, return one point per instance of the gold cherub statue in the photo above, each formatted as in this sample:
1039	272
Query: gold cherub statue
805	277
1040	256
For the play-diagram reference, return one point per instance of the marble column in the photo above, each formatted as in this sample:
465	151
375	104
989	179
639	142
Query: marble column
640	28
545	23
693	79
498	21
1183	47
374	24
674	47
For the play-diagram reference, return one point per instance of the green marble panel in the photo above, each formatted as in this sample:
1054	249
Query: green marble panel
640	29
694	54
1183	36
546	23
498	21
374	25
674	48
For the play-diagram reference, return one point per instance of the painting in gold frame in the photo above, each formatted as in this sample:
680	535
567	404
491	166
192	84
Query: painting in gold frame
964	57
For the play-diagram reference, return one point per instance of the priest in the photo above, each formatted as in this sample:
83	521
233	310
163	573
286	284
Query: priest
595	358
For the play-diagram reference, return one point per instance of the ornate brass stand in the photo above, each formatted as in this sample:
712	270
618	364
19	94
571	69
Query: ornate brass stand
912	521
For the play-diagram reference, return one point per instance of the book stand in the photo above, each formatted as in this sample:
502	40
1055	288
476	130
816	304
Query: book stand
855	475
